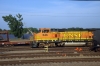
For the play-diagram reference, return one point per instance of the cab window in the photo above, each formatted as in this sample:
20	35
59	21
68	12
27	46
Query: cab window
45	31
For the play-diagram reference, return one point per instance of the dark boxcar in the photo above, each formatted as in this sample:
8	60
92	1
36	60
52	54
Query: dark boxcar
97	36
96	40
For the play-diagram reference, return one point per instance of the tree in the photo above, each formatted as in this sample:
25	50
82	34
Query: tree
4	30
15	24
25	30
0	29
33	29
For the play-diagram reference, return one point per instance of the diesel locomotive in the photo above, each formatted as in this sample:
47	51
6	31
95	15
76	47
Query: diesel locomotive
63	37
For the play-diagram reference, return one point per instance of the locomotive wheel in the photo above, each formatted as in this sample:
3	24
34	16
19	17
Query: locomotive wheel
52	45
11	45
6	45
41	45
88	44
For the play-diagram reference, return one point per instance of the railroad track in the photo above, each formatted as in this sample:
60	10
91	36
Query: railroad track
19	48
41	56
50	60
54	64
44	54
26	55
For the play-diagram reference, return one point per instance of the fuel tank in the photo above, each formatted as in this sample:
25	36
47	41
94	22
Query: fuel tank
75	44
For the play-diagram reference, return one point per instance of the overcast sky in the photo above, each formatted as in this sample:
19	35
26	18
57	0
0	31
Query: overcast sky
52	13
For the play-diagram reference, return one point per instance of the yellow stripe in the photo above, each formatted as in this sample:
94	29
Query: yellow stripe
46	39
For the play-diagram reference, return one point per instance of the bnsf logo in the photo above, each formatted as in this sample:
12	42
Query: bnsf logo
72	35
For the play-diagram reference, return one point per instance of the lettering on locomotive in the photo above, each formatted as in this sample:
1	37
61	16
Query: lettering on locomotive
72	35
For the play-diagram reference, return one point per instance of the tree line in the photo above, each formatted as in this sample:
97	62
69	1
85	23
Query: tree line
15	24
25	30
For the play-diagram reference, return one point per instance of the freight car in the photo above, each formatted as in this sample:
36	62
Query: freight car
6	42
58	37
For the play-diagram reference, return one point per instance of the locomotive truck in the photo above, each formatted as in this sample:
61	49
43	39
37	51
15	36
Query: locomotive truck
63	37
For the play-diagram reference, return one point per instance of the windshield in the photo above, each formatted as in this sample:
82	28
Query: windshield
45	31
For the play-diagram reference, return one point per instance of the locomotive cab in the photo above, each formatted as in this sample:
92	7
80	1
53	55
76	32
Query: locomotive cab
44	30
45	37
42	34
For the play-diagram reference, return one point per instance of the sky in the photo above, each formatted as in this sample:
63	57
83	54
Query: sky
52	13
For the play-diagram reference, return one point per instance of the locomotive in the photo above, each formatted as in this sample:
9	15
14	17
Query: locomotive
63	37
